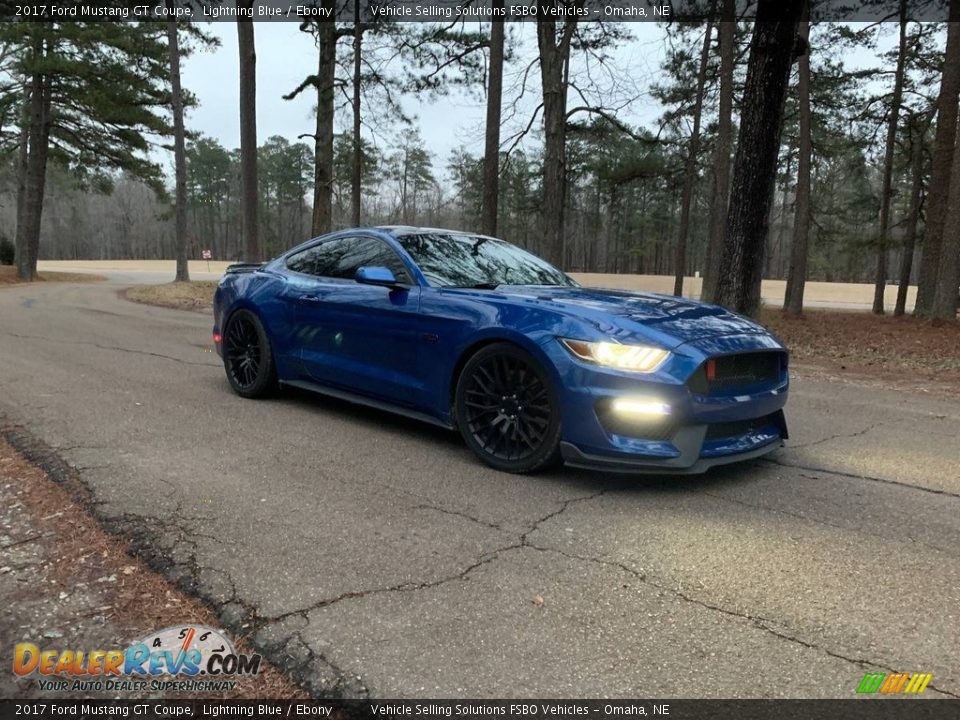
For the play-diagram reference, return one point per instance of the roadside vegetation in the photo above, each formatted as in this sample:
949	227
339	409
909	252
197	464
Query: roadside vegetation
858	345
8	276
68	582
191	295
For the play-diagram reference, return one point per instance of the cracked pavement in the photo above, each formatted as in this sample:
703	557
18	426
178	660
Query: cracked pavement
374	556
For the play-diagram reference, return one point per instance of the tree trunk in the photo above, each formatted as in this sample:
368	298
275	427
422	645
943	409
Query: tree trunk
322	221
918	129
755	167
404	197
690	169
797	277
945	298
357	144
886	188
249	196
780	271
179	152
491	154
553	63
35	171
721	160
23	156
943	148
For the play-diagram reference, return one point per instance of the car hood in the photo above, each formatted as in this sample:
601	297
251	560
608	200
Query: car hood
671	320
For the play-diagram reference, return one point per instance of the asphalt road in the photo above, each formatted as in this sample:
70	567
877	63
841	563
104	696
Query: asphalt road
371	554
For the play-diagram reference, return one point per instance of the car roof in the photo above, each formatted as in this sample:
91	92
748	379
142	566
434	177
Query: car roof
402	230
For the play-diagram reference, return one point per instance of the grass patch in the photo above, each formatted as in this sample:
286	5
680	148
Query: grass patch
8	276
194	295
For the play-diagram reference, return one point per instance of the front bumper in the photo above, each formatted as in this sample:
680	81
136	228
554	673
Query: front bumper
696	454
703	428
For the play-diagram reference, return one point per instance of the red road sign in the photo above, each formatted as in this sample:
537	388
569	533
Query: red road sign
206	254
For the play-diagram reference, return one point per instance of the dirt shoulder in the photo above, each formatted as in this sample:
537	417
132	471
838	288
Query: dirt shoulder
196	295
8	277
903	352
67	583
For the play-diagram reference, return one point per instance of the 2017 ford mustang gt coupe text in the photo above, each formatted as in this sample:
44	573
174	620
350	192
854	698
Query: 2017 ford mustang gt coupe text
473	333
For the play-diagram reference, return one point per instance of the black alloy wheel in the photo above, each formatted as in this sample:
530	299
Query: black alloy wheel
247	356
507	410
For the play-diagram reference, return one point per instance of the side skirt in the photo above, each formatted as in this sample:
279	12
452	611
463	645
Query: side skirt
357	399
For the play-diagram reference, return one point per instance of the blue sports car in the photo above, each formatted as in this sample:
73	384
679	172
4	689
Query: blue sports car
473	333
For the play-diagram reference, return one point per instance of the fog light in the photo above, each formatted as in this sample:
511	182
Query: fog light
217	338
640	406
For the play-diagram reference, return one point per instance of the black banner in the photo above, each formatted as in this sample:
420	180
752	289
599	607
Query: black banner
854	709
450	10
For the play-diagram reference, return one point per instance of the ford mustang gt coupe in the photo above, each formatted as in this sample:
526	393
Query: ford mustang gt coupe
475	334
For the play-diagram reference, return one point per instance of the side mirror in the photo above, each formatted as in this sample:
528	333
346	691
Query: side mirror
375	276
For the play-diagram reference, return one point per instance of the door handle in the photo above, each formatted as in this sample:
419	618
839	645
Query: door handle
309	299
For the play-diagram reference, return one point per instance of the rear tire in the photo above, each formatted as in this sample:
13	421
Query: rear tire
507	410
248	357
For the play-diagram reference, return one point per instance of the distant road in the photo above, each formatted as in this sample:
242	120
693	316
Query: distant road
842	296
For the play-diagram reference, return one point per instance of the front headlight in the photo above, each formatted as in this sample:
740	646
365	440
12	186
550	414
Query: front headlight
635	358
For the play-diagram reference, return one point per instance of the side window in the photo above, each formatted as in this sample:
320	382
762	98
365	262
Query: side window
304	261
348	254
342	257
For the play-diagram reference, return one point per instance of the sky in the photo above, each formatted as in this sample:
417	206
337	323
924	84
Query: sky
285	56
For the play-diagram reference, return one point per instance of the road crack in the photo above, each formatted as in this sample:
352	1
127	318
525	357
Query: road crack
457	513
757	621
838	436
855	476
462	574
824	523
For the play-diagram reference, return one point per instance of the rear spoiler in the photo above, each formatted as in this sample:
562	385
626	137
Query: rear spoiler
239	268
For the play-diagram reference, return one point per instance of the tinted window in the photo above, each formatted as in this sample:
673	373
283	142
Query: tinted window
304	261
456	260
342	257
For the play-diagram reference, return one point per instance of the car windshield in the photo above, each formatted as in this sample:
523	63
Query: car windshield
457	260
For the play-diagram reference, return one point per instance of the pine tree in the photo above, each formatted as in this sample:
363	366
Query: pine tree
918	125
249	195
690	166
797	278
491	154
721	158
940	172
886	188
94	98
772	52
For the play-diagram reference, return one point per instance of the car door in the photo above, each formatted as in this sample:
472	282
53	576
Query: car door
354	336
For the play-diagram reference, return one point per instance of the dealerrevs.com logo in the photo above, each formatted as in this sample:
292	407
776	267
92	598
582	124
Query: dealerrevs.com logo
187	658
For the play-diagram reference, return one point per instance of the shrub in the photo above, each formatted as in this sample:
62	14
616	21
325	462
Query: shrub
7	251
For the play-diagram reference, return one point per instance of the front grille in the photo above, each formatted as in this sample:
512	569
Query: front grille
740	370
738	427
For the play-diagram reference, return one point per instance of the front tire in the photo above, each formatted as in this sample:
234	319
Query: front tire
507	410
248	357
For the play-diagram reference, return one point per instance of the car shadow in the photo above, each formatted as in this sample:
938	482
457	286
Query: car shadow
383	420
587	480
724	476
